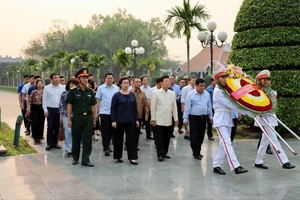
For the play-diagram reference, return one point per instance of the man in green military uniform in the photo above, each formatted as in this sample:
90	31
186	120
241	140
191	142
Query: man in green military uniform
81	104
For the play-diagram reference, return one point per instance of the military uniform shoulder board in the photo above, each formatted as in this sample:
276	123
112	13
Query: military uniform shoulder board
73	87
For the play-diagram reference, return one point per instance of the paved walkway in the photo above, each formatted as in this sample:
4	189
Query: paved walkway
50	175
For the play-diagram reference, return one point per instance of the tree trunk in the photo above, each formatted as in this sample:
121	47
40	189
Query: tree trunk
188	56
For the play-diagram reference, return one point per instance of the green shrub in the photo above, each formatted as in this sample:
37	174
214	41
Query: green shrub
267	13
268	37
9	88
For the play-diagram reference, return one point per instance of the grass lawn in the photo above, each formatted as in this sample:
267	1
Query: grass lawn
7	139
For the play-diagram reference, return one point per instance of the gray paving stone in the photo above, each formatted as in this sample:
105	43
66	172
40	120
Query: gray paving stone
50	174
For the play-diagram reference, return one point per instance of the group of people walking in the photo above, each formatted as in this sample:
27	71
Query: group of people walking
130	104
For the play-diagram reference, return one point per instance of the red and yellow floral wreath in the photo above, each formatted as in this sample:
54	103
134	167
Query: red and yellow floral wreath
245	92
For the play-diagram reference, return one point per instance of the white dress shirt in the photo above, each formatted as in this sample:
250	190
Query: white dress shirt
163	107
25	89
146	90
51	96
184	92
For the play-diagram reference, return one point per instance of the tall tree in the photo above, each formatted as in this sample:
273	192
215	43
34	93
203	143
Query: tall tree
184	19
268	38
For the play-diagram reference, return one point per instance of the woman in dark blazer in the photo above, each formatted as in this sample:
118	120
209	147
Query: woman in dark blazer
124	117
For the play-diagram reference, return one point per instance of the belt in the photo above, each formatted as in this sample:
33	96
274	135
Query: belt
51	108
203	116
84	113
222	110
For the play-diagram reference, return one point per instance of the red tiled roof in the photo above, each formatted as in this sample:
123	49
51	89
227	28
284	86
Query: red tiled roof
201	61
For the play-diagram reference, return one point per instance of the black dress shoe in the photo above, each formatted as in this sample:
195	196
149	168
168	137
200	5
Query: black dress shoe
262	166
74	162
186	137
269	151
160	158
219	170
201	155
197	157
48	148
87	164
69	153
166	156
120	160
172	136
211	138
180	131
56	146
107	152
133	162
240	170
110	150
150	138
288	166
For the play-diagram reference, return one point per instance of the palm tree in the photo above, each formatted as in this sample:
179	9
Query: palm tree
123	60
96	62
59	60
151	64
184	19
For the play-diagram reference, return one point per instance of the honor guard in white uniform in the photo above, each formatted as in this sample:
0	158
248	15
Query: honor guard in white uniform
263	80
223	124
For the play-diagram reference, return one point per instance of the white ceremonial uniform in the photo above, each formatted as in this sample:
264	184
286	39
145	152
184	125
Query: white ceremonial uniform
223	124
282	158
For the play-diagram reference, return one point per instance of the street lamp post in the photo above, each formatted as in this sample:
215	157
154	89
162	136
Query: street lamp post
18	77
135	51
7	78
211	41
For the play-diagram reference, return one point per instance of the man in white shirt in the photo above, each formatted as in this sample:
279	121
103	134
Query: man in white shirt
51	99
146	89
184	93
163	108
104	96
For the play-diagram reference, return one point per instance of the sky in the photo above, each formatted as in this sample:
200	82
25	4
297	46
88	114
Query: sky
21	20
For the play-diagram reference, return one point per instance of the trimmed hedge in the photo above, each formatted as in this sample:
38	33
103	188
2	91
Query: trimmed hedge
286	83
9	88
268	37
280	57
273	36
267	13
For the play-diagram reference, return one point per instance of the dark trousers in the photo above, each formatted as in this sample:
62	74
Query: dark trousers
180	114
162	139
38	121
129	129
82	127
148	126
26	122
197	132
138	132
53	126
233	129
209	127
106	131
